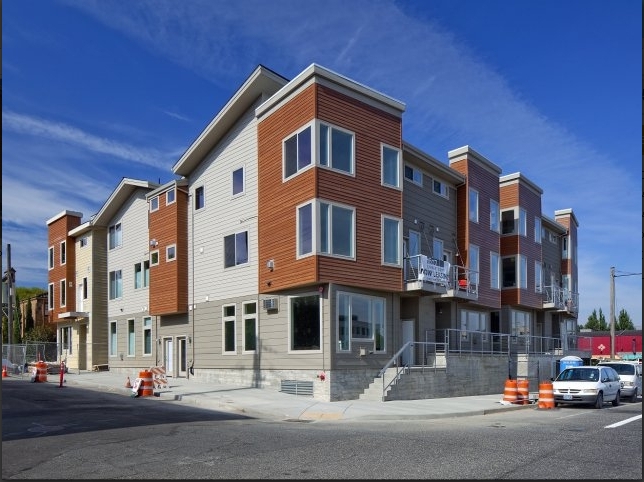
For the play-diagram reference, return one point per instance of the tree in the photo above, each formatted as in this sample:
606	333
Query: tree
29	317
623	321
41	333
597	323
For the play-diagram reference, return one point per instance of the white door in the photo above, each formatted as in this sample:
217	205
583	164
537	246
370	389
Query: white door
168	356
408	335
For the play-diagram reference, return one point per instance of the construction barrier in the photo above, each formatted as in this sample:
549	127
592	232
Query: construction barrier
546	396
159	380
523	391
41	371
146	388
510	391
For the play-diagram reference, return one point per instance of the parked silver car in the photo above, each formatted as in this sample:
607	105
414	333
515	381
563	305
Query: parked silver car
630	374
592	385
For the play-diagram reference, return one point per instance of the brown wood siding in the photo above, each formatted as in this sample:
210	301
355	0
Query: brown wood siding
278	200
57	233
168	291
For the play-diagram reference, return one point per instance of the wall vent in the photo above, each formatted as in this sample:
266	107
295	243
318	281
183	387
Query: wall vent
270	303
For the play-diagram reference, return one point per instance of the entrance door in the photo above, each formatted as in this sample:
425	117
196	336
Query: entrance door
183	357
408	335
168	357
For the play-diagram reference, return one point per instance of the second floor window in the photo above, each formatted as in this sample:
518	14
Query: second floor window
238	181
51	257
391	236
297	152
236	249
325	228
494	216
154	204
200	199
115	237
171	253
116	285
391	167
336	148
474	206
63	293
63	252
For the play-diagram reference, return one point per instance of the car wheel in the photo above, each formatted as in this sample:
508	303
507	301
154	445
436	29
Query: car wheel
616	401
634	396
599	401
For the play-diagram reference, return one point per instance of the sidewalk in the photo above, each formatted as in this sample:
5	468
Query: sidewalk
272	404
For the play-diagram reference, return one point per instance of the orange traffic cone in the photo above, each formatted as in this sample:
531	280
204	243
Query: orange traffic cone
4	371
127	383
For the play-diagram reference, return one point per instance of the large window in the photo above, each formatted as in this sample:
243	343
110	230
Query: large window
131	338
326	228
336	148
515	271
474	206
391	238
495	270
473	263
297	152
115	236
494	216
141	275
116	285
537	230
112	340
147	335
361	320
472	321
391	166
250	327
520	323
66	338
228	320
305	323
236	249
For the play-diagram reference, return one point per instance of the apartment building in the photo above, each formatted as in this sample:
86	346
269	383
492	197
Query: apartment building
304	241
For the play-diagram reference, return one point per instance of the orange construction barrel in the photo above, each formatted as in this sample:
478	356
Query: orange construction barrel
523	391
510	391
41	371
546	396
146	389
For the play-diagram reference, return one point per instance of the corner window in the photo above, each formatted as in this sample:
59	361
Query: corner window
495	270
238	181
391	237
414	175
154	204
115	236
474	205
305	229
236	249
537	230
297	152
325	228
361	319
336	148
200	199
305	326
170	196
494	216
228	328
523	222
391	166
171	252
507	222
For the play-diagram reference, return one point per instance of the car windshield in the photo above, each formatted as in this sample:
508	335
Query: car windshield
579	374
622	368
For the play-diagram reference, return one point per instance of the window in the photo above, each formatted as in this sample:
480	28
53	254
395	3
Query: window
238	181
63	252
391	236
200	199
414	175
66	338
228	321
305	326
473	263
50	297
440	188
437	248
472	321
115	236
361	319
509	267
297	152
494	216
236	249
63	293
523	271
141	275
520	323
130	337
171	252
564	247
170	196
250	327
154	258
537	230
51	257
507	222
495	270
116	285
83	241
523	222
85	281
336	148
538	276
112	339
334	233
147	335
474	206
391	167
154	204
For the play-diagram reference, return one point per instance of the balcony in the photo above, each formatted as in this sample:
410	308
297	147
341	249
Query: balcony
429	276
560	299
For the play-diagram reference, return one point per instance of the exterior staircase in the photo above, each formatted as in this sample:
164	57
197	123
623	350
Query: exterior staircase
374	390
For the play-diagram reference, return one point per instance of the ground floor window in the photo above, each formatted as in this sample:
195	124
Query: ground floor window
305	323
360	319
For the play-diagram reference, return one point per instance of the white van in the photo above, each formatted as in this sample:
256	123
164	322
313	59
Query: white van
630	376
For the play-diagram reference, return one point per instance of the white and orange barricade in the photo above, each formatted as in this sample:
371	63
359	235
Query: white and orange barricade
158	377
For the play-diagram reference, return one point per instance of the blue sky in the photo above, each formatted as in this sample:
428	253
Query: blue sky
98	90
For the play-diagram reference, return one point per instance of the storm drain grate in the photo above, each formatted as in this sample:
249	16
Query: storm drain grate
297	387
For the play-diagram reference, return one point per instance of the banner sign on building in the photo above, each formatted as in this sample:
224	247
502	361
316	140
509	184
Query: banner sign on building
433	270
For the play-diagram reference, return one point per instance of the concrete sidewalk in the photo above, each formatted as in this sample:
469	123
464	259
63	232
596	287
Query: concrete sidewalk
275	405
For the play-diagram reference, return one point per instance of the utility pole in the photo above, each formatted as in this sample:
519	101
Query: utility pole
612	312
9	279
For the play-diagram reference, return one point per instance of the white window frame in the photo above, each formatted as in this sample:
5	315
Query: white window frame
112	338
154	257
200	198
538	277
63	253
131	337
391	229
154	204
300	164
326	161
523	271
115	289
242	257
228	321
83	241
440	188
386	170
115	236
246	317
63	293
495	271
171	253
474	262
523	222
51	258
146	328
170	196
473	205
234	181
305	229
416	175
50	298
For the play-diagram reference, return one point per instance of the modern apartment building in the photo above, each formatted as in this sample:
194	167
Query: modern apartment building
305	242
